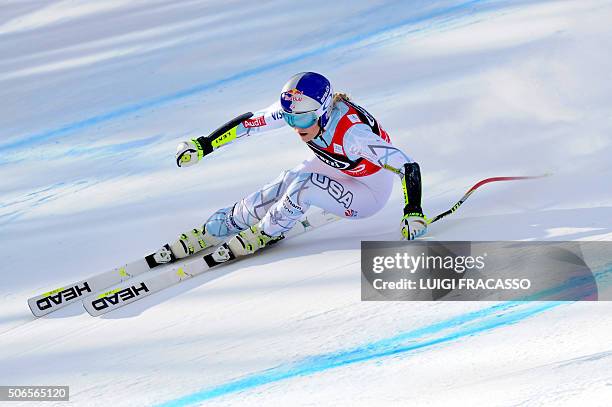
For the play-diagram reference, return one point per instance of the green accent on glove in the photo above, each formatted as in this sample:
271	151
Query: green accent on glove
199	147
405	232
420	215
185	158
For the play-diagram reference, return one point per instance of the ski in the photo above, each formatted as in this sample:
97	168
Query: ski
105	301
53	300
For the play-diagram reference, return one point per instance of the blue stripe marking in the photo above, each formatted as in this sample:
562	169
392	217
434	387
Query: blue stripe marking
472	323
156	102
388	347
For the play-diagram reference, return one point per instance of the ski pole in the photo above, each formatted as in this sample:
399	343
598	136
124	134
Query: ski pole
474	188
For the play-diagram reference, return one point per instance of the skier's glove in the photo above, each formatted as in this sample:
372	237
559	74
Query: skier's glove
413	225
190	152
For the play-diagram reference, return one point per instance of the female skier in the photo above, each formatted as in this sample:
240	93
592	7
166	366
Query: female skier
351	173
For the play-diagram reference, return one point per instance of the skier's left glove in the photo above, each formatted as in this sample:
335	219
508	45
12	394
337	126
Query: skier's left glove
413	225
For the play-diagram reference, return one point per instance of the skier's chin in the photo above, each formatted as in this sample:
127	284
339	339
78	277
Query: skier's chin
307	134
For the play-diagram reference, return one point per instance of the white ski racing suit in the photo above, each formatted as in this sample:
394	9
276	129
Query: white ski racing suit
351	174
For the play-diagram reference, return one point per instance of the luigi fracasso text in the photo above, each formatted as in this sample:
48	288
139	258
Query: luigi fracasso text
452	266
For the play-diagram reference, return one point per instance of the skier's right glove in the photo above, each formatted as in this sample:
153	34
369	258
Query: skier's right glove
190	152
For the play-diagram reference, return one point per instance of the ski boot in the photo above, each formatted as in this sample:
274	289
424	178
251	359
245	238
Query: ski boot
192	242
250	240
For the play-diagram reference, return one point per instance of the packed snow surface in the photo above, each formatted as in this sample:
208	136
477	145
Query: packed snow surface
96	96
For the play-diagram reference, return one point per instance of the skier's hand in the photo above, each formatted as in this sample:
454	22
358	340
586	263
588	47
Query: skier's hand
413	225
188	153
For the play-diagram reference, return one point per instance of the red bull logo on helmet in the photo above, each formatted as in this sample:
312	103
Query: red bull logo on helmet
293	95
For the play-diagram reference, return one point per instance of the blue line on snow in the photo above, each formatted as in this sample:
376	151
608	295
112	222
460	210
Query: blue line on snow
461	326
376	350
156	102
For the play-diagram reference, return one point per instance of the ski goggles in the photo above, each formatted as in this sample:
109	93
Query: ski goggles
301	120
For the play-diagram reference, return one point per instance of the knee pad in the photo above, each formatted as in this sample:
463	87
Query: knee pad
222	223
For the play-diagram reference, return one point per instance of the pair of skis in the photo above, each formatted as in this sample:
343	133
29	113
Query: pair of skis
99	297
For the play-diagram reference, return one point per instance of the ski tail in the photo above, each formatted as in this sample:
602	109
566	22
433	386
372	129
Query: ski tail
58	298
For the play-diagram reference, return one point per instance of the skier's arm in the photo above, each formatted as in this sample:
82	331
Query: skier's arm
192	151
359	141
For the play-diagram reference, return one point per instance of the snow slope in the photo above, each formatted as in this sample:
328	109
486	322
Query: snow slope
96	97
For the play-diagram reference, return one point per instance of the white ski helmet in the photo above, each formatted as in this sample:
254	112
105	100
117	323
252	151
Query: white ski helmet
306	99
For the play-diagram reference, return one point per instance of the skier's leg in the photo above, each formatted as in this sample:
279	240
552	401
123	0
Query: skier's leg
344	196
231	220
251	209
